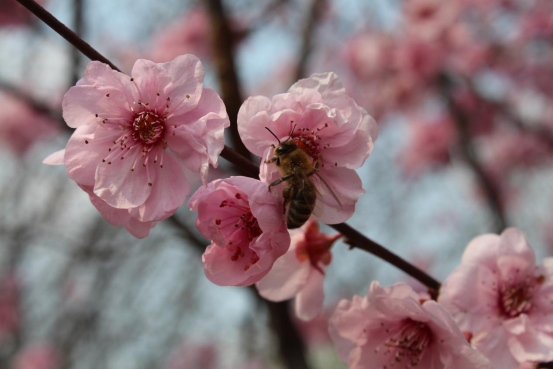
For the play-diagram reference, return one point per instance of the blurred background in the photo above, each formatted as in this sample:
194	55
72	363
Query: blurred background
461	90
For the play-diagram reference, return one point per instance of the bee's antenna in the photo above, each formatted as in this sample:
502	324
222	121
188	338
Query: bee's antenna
291	132
267	128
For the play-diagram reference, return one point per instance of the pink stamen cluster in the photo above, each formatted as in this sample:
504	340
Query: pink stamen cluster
408	343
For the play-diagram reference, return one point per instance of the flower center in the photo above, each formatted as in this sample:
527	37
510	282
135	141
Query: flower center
308	141
249	223
516	300
409	342
236	231
148	126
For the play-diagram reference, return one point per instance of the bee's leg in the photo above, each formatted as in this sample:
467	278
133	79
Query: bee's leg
315	167
275	160
287	197
279	181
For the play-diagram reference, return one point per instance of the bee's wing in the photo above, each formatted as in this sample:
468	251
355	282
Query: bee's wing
322	183
319	206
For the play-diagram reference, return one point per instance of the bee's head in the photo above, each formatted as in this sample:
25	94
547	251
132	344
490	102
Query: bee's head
285	148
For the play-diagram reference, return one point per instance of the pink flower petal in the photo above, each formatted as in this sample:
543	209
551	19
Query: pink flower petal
102	91
119	217
122	188
347	186
187	78
309	301
86	149
55	158
483	250
169	191
473	311
287	276
492	344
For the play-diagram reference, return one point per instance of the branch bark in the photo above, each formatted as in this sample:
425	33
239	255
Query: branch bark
223	42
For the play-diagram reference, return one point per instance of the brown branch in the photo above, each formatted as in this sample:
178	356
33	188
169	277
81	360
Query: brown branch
223	42
311	21
357	238
461	121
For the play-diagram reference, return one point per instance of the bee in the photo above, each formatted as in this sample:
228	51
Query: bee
298	170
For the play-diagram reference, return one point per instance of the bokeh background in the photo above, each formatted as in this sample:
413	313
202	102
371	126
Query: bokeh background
461	90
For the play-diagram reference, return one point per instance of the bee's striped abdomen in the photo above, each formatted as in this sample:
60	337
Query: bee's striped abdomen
301	206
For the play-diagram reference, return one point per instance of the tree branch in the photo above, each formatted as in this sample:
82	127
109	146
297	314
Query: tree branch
223	42
470	156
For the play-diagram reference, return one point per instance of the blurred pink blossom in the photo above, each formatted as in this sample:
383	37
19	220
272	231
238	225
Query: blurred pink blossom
509	150
37	356
14	14
390	328
193	356
418	59
428	146
300	272
190	34
21	126
137	118
330	127
499	296
370	55
246	227
429	19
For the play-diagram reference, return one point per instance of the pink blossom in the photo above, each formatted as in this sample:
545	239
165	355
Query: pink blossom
37	356
370	55
20	125
246	227
300	272
499	296
125	126
390	328
429	19
428	146
419	59
329	126
188	34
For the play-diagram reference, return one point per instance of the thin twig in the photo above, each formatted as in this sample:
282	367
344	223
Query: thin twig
470	156
311	21
252	170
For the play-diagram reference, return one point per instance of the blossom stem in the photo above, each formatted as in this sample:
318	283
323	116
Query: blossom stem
247	167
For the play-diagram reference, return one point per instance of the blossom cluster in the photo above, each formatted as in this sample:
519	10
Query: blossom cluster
139	138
